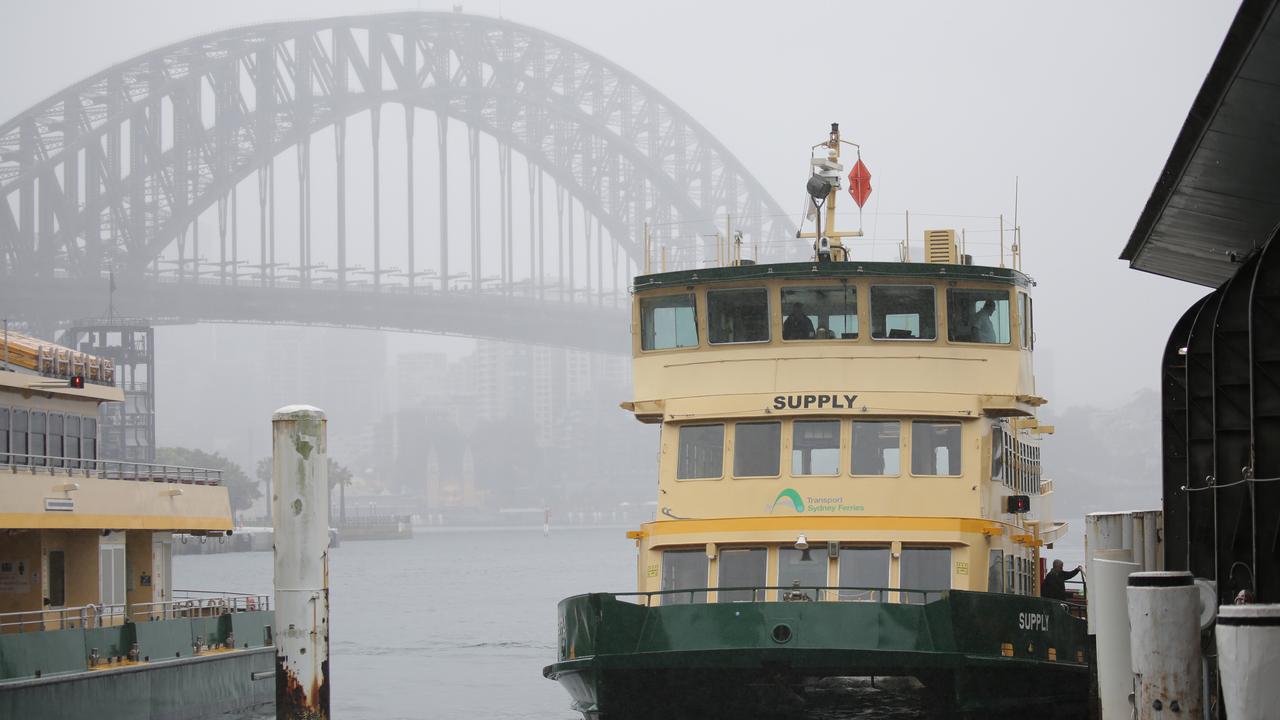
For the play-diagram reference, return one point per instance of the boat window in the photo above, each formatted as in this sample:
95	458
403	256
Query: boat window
995	572
741	568
864	567
4	435
876	446
35	441
54	442
669	321
71	445
997	452
925	569
1026	327
815	447
978	316
736	316
684	570
935	448
820	313
811	573
57	578
18	437
756	447
902	312
1010	581
701	452
89	438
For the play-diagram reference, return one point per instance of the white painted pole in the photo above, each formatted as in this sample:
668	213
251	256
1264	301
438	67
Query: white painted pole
1164	614
1109	609
300	516
1248	655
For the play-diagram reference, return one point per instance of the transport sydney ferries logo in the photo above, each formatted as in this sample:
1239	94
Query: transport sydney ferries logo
788	498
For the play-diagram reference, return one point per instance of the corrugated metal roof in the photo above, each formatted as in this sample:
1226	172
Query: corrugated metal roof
1217	200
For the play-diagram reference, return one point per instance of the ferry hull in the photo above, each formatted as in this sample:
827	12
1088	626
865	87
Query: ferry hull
621	660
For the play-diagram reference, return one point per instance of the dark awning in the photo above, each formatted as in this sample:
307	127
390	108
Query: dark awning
1218	198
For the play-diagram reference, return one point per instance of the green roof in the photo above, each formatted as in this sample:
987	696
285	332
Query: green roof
813	270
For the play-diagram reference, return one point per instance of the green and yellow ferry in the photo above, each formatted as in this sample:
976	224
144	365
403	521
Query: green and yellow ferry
849	486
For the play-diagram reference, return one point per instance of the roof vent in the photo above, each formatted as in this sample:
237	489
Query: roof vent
940	247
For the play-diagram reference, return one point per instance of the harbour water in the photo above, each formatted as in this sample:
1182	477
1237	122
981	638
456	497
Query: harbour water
458	623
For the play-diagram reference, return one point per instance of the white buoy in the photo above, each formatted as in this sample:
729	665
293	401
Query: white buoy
1109	610
300	516
1248	658
1164	614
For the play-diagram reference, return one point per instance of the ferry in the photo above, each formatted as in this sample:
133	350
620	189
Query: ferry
849	486
91	625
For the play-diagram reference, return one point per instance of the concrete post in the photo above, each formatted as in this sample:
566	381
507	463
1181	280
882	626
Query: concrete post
1164	614
300	516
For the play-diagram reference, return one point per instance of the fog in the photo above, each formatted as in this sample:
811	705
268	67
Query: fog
950	103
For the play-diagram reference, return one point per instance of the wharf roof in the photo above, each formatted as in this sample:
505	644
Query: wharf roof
1215	202
835	270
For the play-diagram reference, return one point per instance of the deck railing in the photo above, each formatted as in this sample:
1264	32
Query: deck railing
787	593
55	466
63	618
185	604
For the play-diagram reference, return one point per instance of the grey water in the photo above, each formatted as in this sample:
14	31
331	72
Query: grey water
458	623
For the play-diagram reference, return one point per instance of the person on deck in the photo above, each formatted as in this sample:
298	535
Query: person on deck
984	332
1054	585
797	326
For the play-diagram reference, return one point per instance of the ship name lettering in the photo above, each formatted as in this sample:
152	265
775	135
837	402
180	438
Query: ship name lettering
1033	621
834	401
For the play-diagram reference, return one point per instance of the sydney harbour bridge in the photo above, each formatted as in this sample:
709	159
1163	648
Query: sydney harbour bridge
213	181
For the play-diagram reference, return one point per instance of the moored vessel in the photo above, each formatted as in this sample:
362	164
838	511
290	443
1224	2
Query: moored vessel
849	485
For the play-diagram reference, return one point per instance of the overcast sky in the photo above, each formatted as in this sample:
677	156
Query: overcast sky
950	101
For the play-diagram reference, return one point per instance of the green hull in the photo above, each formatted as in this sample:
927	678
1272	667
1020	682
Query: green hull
974	652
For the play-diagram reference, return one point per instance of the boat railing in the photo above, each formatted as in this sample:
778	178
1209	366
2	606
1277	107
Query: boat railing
54	465
783	593
63	618
199	603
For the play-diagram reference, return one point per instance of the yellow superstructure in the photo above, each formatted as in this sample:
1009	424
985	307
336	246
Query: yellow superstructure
842	424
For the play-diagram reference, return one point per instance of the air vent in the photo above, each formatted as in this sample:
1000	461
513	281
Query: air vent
940	247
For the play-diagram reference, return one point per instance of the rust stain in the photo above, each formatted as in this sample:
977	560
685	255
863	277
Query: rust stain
291	698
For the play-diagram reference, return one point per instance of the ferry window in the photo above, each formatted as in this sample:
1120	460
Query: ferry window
89	438
4	435
935	448
668	322
57	579
55	439
995	572
701	452
820	313
876	446
997	452
18	437
1010	581
71	443
925	569
902	312
810	573
978	316
684	570
864	567
1026	327
741	568
756	447
736	316
815	447
35	441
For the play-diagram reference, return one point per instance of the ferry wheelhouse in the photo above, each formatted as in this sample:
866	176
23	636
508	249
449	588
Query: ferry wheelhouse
90	623
849	485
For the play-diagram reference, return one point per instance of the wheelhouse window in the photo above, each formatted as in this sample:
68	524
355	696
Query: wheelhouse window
876	447
684	570
820	313
866	568
1026	326
667	322
927	569
903	312
701	453
738	316
935	448
978	316
810	573
756	447
741	568
815	447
